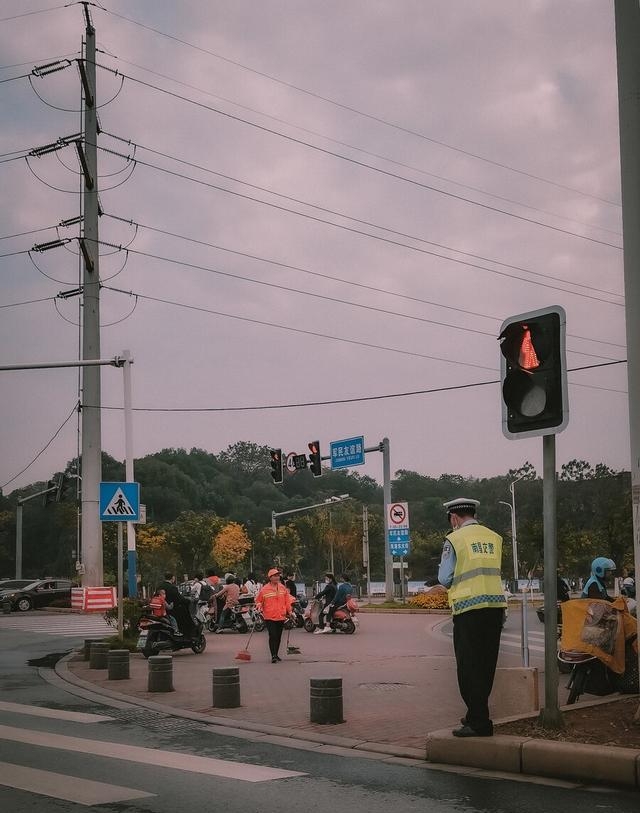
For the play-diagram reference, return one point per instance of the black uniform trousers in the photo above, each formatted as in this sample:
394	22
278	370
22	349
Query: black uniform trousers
476	641
274	628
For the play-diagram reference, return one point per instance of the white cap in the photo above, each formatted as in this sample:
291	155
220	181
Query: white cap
462	504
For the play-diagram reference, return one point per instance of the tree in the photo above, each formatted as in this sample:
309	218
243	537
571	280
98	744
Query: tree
191	537
231	546
155	557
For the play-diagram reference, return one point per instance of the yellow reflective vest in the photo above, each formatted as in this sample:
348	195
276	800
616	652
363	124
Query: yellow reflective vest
476	580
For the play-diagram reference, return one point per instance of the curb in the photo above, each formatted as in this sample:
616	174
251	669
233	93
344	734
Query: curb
577	763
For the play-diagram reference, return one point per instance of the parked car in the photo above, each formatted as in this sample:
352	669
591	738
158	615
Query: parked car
25	594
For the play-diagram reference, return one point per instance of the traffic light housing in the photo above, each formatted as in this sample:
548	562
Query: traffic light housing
50	493
315	463
276	465
534	373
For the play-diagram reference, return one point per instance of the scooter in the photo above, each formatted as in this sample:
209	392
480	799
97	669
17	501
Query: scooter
344	618
236	621
158	635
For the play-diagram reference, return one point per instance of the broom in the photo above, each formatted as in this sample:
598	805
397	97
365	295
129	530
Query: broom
292	650
244	655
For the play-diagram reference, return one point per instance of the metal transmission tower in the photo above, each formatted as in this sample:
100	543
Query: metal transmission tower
91	528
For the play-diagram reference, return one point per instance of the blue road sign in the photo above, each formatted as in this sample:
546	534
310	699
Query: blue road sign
346	453
119	502
398	539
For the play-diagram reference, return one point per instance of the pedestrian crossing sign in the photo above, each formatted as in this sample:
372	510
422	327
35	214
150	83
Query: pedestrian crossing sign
119	502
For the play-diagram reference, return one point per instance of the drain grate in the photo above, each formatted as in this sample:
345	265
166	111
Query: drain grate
385	687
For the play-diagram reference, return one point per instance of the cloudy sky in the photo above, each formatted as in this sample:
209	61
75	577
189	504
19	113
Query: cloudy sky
320	202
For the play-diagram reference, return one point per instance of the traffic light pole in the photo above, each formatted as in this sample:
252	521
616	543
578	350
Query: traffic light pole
627	16
550	716
21	501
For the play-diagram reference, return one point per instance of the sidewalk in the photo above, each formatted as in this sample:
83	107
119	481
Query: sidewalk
400	699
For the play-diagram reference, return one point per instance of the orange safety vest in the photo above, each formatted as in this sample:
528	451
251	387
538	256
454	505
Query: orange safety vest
274	602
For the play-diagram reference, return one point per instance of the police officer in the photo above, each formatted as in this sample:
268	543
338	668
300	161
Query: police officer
470	569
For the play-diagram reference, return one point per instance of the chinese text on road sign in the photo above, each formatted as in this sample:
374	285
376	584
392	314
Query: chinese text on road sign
349	452
398	528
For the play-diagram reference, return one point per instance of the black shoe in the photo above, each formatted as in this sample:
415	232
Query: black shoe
467	731
275	659
278	658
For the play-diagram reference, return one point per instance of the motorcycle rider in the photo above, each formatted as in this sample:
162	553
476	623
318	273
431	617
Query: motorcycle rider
602	570
176	604
343	593
159	607
231	594
326	596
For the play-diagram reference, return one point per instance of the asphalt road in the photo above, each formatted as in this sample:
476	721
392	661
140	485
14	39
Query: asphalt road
137	760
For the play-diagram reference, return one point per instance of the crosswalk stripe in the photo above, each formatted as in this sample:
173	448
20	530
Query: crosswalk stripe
71	789
54	714
211	766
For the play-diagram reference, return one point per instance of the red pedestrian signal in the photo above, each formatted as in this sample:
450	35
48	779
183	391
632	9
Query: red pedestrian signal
534	373
315	462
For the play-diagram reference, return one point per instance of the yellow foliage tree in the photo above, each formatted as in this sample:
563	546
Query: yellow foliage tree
230	546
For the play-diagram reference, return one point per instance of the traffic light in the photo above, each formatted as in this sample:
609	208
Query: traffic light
50	493
534	373
276	465
62	486
314	458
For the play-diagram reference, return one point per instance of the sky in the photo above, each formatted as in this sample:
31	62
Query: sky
310	203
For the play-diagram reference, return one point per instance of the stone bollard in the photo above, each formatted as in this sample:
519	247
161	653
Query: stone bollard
226	687
326	700
160	673
87	646
6	607
98	653
118	664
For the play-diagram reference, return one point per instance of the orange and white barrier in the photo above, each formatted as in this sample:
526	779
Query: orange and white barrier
93	599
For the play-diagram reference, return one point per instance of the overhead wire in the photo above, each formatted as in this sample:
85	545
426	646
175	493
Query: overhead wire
363	164
359	399
358	112
76	406
353	230
363	150
36	11
28	302
329	277
360	221
324	297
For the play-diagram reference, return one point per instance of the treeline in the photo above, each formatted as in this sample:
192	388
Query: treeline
215	510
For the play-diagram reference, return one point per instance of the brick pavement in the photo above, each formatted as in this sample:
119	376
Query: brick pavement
398	675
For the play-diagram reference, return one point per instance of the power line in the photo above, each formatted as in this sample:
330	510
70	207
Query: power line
317	334
37	11
290	289
330	277
29	302
362	149
357	400
369	116
76	406
360	221
353	230
363	164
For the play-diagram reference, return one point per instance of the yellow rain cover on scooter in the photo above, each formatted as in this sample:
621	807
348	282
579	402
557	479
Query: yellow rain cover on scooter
598	628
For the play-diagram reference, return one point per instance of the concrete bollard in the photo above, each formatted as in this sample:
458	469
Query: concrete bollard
326	700
160	673
118	664
226	687
98	653
6	607
87	646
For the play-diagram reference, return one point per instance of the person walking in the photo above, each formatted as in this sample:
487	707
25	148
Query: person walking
470	569
274	601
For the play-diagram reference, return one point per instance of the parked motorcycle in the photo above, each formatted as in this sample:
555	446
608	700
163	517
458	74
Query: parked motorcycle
344	619
242	618
157	635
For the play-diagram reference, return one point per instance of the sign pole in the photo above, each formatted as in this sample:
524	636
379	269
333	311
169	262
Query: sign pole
386	489
120	579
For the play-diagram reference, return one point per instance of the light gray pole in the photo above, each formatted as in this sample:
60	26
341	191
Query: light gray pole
365	546
550	716
627	13
120	578
91	423
132	564
386	490
19	540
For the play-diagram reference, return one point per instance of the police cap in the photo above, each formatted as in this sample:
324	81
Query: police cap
462	505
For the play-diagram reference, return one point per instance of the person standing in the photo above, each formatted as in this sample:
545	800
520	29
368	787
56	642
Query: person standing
470	569
274	601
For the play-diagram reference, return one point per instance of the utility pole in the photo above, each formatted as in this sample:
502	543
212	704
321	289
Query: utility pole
627	14
91	400
386	490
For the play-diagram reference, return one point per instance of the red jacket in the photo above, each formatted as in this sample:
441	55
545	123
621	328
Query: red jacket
275	602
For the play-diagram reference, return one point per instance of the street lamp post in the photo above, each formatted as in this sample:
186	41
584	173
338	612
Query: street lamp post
524	640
